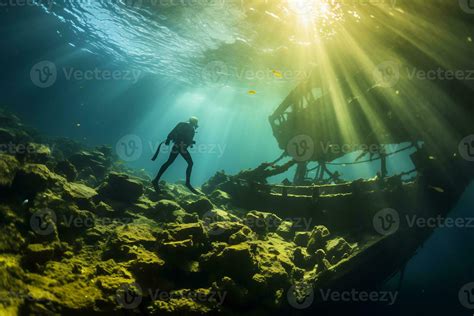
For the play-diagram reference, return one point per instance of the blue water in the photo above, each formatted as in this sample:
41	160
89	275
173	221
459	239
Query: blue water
168	51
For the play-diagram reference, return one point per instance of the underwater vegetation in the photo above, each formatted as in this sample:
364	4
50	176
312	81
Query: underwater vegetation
345	83
81	234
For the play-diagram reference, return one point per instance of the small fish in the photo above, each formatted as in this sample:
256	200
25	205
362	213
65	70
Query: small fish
252	92
25	202
437	189
277	74
78	125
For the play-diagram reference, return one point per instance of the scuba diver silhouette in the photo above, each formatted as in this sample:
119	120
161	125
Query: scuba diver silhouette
182	137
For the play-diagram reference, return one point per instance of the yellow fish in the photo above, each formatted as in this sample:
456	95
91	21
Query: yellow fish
252	92
277	74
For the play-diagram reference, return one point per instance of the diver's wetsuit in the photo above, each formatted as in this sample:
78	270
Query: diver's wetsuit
182	136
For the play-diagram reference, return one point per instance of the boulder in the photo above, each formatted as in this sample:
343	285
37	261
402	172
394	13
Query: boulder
33	153
262	222
80	194
302	238
243	235
167	211
121	187
338	249
34	178
134	234
37	254
317	240
285	230
8	168
217	215
221	198
221	231
218	262
200	206
95	160
66	169
194	231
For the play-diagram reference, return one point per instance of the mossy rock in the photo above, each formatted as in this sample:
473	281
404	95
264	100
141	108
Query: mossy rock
122	188
338	249
200	206
318	238
301	239
8	168
33	178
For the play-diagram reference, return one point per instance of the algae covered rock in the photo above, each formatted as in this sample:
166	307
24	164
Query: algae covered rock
194	231
80	194
318	238
121	187
168	211
338	249
243	235
301	239
218	262
38	254
186	302
262	222
285	230
200	206
66	169
8	168
34	178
